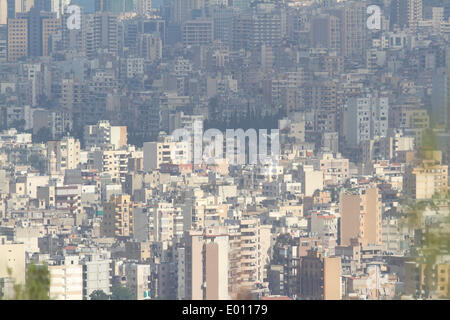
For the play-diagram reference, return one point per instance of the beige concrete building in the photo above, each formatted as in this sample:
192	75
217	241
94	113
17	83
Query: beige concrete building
335	168
360	211
68	198
332	278
17	39
166	151
49	26
220	262
64	154
12	256
114	162
167	222
205	264
138	279
311	179
3	11
428	178
319	277
216	255
103	134
66	279
118	219
249	255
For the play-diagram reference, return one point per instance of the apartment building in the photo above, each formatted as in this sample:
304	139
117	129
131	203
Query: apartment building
97	274
360	211
103	133
198	32
17	39
319	277
205	265
335	168
64	154
66	278
166	151
366	118
12	257
113	162
430	177
118	220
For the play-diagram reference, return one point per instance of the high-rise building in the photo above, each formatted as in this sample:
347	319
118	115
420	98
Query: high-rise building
144	7
103	134
12	256
267	27
16	6
96	273
223	25
242	28
366	118
66	278
3	12
360	211
198	32
312	180
181	11
44	5
167	152
406	13
440	98
205	265
99	31
150	47
114	6
56	6
37	35
50	26
138	279
118	217
447	64
40	26
4	43
105	32
428	178
249	246
353	29
319	277
66	154
17	39
326	32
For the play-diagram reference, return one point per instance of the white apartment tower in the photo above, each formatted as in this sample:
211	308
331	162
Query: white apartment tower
366	118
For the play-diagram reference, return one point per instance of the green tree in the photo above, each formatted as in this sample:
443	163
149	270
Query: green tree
434	241
37	284
38	162
98	295
122	293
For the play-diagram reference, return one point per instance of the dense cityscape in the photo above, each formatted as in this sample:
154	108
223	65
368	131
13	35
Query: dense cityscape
224	149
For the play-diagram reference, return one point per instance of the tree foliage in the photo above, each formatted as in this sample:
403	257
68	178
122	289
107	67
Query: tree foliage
37	284
122	293
98	295
434	241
